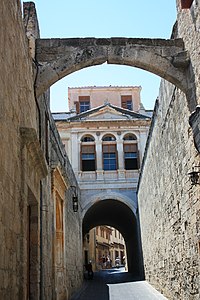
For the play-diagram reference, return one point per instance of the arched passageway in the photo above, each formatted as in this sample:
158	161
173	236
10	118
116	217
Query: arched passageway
118	215
57	58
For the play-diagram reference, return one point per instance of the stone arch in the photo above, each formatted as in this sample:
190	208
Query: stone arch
117	214
109	195
60	57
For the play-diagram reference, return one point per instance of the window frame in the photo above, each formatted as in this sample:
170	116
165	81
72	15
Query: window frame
109	147
127	100
82	100
88	148
131	153
186	4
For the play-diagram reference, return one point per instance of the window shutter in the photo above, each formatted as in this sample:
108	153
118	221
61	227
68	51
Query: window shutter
124	100
88	149
84	98
109	148
123	104
77	107
130	147
186	4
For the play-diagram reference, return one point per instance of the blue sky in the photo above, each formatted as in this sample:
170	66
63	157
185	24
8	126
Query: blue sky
106	18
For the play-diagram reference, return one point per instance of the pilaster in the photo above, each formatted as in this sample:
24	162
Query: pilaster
76	152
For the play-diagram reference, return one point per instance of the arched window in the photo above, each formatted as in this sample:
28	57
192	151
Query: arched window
130	137
88	155
109	152
88	138
131	155
108	138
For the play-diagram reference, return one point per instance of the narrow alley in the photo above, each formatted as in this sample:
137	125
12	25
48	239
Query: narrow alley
116	284
95	175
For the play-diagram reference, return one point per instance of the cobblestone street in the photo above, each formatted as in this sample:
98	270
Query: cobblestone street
116	284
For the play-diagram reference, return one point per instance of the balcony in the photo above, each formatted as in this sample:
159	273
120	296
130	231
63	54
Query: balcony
107	176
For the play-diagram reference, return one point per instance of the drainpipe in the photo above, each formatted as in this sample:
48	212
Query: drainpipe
41	246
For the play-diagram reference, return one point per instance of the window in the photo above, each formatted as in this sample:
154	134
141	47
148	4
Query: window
131	157
186	4
88	161
109	153
130	137
87	139
83	104
109	161
108	138
126	102
88	157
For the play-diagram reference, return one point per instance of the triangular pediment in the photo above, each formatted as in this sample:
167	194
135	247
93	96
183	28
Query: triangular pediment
106	113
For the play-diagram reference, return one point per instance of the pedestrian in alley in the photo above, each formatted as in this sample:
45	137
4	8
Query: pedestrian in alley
90	271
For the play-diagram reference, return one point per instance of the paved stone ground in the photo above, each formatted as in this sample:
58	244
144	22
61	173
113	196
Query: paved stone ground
116	284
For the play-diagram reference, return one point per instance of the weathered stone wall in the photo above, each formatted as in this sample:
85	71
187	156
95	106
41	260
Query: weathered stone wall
169	205
26	163
53	283
61	57
16	103
188	28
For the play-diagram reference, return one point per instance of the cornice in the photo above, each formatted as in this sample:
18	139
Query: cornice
102	123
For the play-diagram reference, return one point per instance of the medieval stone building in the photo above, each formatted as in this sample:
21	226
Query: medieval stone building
40	229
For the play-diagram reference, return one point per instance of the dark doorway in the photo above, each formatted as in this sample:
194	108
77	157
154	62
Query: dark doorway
86	257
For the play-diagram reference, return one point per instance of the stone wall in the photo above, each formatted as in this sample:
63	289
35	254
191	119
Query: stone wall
168	203
16	102
30	150
60	57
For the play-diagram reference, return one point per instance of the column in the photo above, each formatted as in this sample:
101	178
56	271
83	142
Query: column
99	160
120	151
75	152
